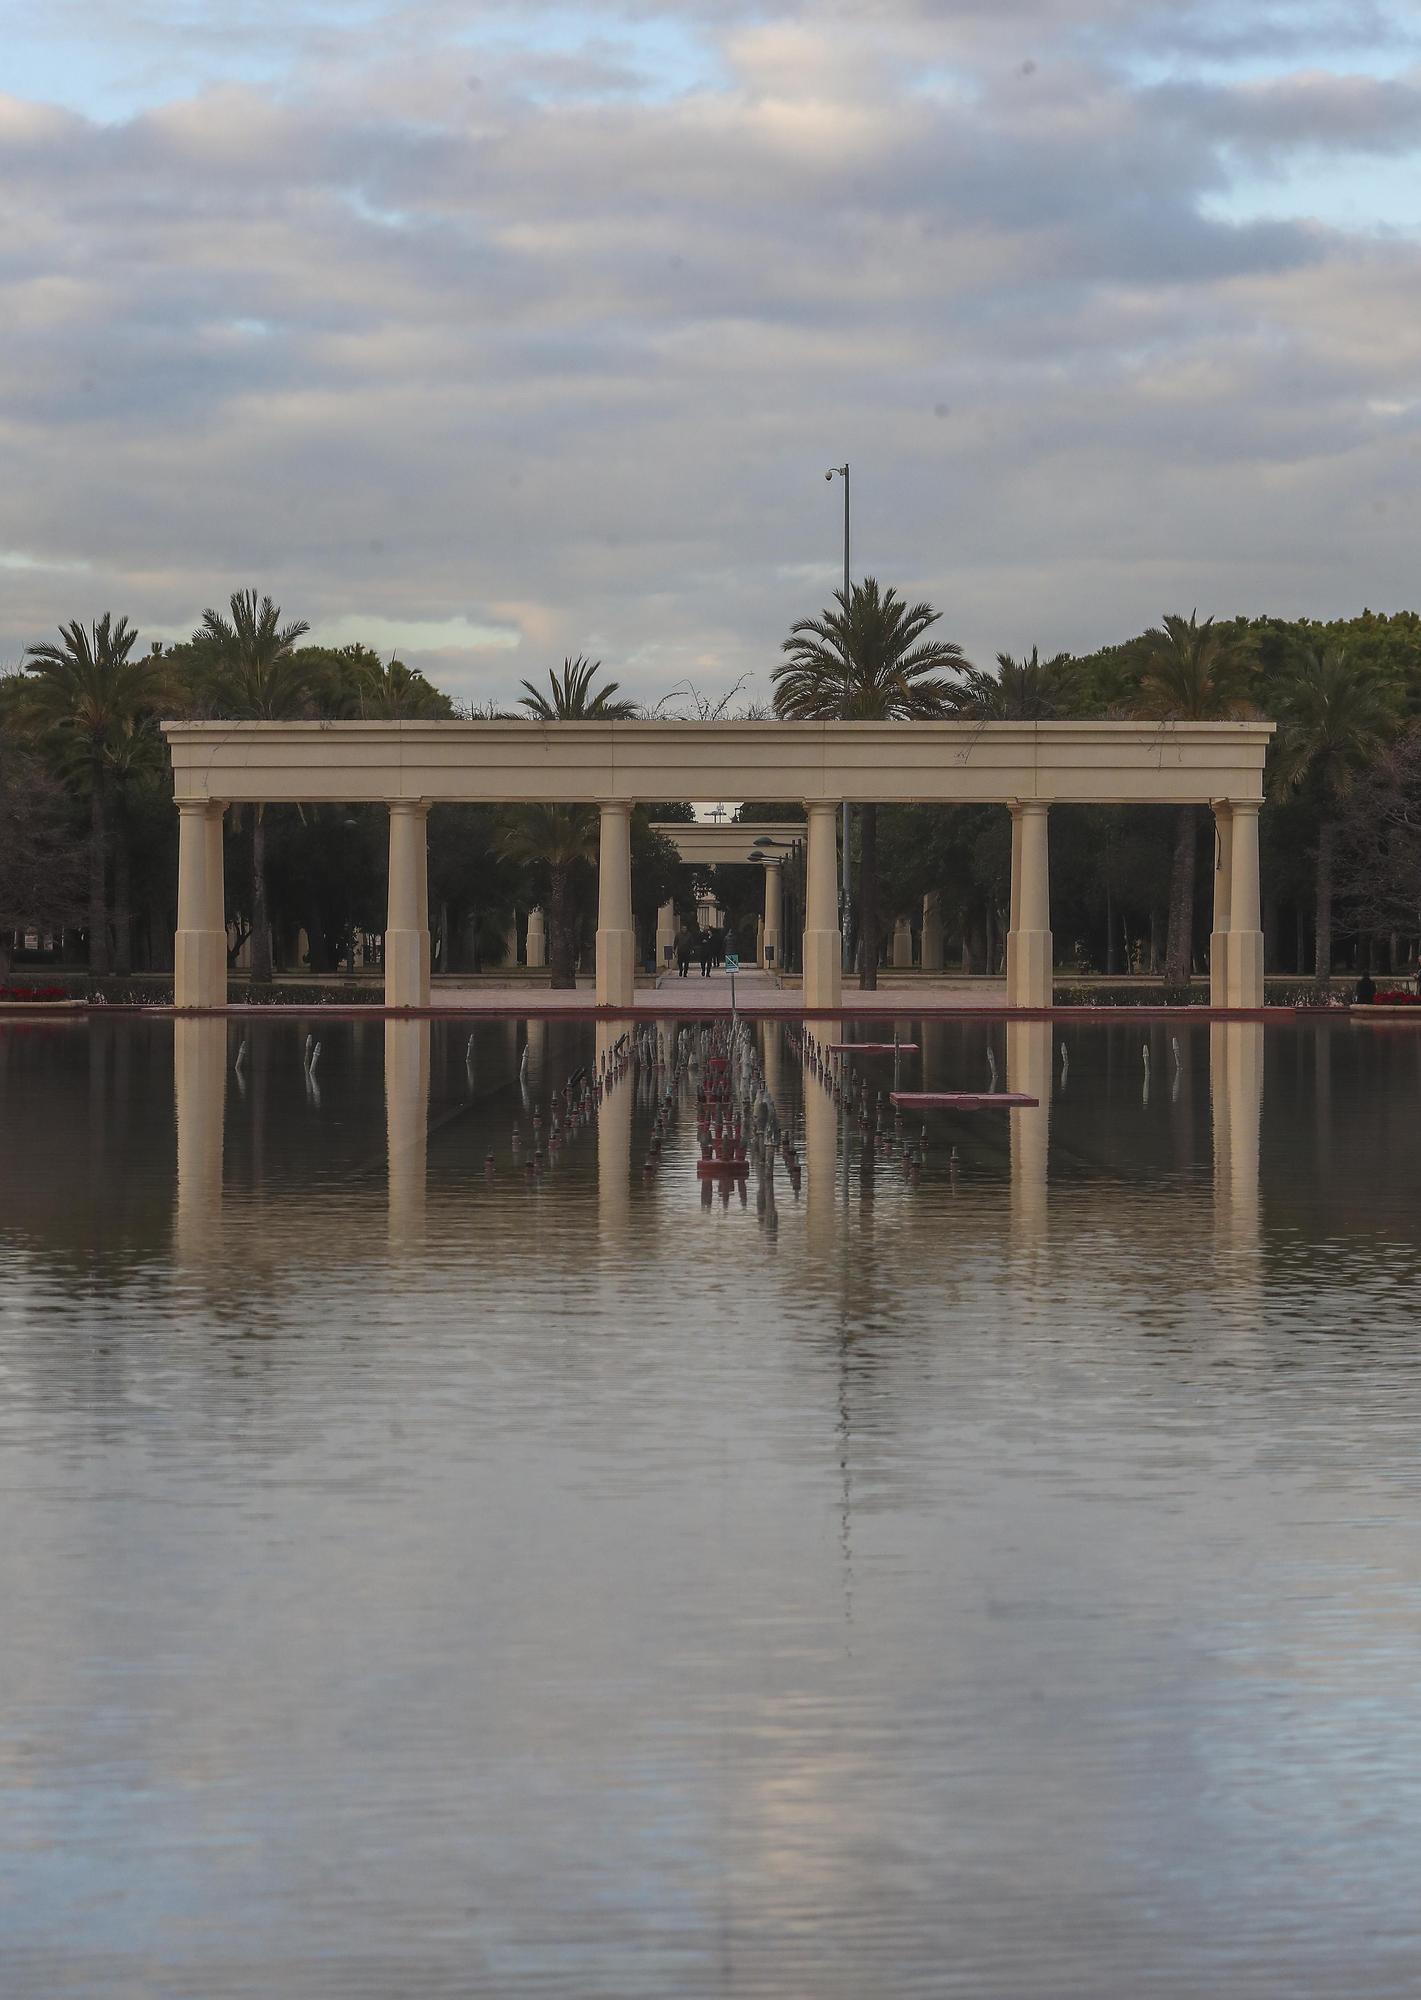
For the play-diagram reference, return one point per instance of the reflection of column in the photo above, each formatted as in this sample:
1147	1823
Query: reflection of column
1236	1090
406	1126
616	937
1029	940
199	1101
822	942
1245	953
614	1154
407	916
665	934
821	1153
1223	884
536	949
774	914
537	1043
200	943
1029	1070
932	956
903	942
772	1057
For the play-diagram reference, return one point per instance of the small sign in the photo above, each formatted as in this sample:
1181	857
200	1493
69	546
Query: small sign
732	961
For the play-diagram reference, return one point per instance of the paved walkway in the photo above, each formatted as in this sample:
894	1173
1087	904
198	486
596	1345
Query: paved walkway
755	993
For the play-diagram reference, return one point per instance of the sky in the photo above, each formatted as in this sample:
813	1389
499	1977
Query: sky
493	334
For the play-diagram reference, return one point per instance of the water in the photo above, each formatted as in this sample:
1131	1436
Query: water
417	1581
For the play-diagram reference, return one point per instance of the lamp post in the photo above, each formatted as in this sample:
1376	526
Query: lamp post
844	942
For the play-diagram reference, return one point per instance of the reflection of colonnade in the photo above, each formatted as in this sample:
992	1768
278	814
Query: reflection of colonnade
1028	766
406	1128
1236	1094
200	1108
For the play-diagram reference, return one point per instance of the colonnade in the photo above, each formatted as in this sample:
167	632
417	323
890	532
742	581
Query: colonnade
1236	943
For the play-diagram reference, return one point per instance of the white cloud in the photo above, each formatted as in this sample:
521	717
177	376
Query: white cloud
491	336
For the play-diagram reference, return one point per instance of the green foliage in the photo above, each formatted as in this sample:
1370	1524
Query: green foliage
571	698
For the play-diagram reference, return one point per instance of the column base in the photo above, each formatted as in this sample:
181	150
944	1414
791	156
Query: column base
200	969
1219	968
1245	969
407	968
823	968
1029	969
616	968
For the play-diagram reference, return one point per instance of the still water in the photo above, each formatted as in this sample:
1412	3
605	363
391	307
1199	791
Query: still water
422	1578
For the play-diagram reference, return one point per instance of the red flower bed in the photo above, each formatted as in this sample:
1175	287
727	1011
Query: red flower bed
1397	999
34	993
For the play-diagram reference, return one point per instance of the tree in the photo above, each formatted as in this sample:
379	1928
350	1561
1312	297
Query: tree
1024	690
555	841
88	692
255	677
1378	858
571	698
867	661
1192	673
41	874
1337	719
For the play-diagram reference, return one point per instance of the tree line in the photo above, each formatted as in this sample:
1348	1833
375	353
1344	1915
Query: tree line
88	834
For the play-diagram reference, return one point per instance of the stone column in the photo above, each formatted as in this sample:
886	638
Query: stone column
772	955
903	942
665	935
1245	947
1029	947
537	947
1223	886
616	933
823	945
759	940
200	943
510	941
931	949
407	911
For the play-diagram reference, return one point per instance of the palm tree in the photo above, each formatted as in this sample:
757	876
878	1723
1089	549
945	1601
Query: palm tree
556	838
393	692
1337	719
90	692
1193	673
571	698
867	661
1024	690
255	678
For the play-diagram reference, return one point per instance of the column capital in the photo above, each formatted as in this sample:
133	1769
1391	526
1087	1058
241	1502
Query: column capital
407	805
1042	806
1254	806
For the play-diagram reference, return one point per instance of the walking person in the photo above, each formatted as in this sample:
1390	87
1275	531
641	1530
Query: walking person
684	945
707	953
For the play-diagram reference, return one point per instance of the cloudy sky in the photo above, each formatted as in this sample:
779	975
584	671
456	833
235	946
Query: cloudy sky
499	332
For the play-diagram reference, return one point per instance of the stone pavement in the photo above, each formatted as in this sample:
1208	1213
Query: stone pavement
755	993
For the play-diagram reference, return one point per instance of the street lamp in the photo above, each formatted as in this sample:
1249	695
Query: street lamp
843	473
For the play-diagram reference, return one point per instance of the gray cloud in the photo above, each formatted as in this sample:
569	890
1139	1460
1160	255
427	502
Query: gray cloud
555	363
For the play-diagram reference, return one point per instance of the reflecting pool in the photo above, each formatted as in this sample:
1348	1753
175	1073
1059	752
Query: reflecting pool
979	1557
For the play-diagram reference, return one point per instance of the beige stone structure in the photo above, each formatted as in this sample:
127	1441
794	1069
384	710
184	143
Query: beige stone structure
1027	766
